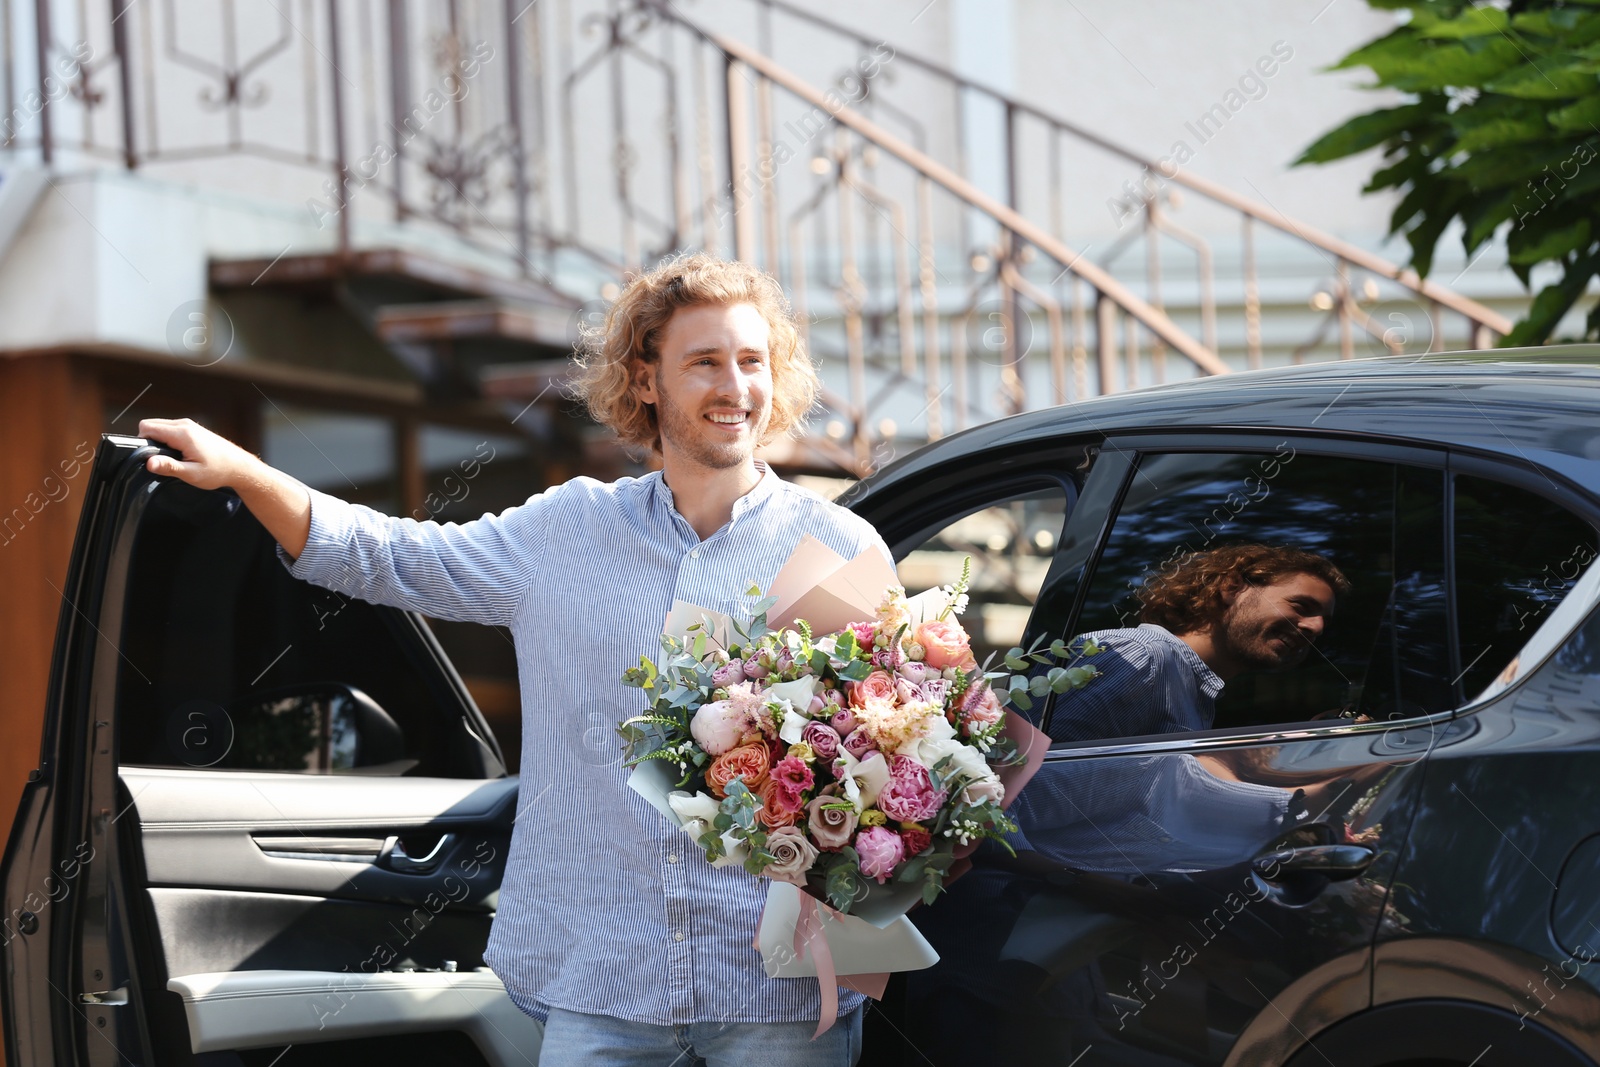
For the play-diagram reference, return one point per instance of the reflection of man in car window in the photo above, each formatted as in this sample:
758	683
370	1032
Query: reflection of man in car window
1204	619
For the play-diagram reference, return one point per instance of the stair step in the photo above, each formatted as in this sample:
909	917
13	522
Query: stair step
446	320
394	263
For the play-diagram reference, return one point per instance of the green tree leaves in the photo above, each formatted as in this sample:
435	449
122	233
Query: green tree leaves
1503	130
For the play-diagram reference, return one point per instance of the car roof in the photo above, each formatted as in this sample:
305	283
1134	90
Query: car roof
1532	405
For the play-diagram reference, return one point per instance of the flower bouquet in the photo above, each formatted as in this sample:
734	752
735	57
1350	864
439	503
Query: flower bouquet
857	764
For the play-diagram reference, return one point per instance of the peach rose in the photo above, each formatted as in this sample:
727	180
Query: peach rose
777	807
750	762
945	644
879	685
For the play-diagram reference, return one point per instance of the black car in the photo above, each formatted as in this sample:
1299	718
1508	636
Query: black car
215	861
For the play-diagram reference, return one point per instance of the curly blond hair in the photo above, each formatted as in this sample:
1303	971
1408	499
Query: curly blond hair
1188	594
631	334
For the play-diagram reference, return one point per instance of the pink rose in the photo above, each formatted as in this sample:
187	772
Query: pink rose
865	633
843	721
859	743
730	673
823	739
816	707
879	685
916	673
891	658
946	645
754	669
830	829
910	796
717	727
792	855
915	841
881	850
791	775
979	792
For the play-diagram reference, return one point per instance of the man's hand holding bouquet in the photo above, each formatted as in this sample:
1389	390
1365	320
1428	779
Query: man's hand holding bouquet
855	752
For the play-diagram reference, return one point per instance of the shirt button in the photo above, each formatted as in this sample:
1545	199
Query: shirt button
672	858
677	935
694	553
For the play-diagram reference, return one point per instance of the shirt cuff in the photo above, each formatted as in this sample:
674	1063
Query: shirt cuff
331	522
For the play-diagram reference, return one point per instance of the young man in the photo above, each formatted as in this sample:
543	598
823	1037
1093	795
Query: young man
610	921
1209	617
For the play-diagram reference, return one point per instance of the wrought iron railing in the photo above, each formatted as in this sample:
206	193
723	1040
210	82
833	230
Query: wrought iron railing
575	140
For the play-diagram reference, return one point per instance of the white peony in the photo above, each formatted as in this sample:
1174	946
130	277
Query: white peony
718	726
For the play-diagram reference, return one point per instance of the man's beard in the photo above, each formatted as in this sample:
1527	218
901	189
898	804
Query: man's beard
688	436
1251	640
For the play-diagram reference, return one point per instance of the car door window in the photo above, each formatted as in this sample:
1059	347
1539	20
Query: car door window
231	663
1517	555
1384	651
1010	543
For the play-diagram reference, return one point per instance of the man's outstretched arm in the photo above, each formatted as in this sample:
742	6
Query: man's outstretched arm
478	571
279	502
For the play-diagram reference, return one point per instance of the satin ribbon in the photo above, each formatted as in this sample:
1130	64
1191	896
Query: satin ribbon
808	937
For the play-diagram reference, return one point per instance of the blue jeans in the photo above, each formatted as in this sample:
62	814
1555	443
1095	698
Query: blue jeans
573	1039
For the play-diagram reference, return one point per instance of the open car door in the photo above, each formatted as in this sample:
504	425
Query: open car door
269	823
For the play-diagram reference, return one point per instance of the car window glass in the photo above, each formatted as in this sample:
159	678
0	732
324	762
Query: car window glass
1010	544
229	662
1517	555
1383	653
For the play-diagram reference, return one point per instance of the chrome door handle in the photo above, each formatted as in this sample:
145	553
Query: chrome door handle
396	858
1334	862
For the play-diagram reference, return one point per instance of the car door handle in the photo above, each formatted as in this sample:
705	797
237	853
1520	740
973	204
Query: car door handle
1333	862
396	858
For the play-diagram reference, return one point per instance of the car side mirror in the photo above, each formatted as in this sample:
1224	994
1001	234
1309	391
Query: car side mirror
325	727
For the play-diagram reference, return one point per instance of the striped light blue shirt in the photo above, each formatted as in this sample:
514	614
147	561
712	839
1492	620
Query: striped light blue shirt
606	908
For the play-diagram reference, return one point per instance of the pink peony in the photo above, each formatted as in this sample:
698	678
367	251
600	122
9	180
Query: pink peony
859	743
830	829
910	796
823	739
843	721
881	850
718	727
946	645
791	775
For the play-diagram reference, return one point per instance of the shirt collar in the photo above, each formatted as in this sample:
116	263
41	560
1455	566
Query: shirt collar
765	486
1210	684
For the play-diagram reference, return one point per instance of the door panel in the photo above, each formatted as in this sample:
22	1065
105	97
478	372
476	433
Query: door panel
184	887
1160	900
252	821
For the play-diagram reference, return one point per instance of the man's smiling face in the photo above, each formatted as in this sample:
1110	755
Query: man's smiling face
711	385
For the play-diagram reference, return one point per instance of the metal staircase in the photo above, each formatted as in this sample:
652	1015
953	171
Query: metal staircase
482	175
